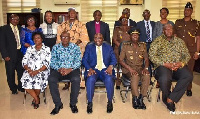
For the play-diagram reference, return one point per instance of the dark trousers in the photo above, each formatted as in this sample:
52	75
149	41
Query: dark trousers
108	81
74	78
11	66
165	76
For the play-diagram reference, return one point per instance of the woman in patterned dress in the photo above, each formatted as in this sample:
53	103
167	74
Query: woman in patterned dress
36	64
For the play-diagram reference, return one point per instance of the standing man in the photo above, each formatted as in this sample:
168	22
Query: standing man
126	13
10	51
98	26
132	56
146	28
98	60
65	64
170	56
187	29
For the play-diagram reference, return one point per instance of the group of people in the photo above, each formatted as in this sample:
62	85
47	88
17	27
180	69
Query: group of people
43	56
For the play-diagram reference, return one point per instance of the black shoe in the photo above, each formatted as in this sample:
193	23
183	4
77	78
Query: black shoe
74	108
21	90
14	92
171	106
118	87
141	103
89	107
189	93
56	109
135	102
109	107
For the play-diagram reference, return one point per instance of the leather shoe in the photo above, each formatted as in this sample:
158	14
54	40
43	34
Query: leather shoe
189	93
118	87
74	108
171	106
109	107
14	92
89	108
56	109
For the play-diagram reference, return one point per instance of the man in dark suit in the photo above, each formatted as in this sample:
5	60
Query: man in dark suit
126	13
146	28
98	60
98	26
10	51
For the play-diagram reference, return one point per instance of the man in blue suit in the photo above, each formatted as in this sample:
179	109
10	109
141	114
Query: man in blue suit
146	28
97	26
98	61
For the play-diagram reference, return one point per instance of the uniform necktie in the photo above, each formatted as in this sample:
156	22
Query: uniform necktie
99	59
16	37
148	33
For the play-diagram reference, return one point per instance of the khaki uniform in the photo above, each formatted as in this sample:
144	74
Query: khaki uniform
77	31
135	58
187	31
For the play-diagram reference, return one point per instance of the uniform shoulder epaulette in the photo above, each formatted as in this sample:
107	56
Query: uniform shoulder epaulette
193	19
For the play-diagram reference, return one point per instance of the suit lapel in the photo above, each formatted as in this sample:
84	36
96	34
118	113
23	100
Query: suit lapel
143	26
104	52
101	27
93	27
94	54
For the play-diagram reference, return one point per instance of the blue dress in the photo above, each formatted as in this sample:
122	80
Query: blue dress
26	37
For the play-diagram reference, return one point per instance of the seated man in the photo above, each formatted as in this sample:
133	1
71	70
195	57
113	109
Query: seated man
132	57
65	64
98	61
170	56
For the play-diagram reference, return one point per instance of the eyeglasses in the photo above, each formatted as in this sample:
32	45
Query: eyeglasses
65	37
14	19
31	20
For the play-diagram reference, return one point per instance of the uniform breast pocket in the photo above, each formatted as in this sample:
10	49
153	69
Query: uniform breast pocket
191	32
130	56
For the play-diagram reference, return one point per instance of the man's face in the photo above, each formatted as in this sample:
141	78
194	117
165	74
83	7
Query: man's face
72	14
168	31
65	38
188	12
98	39
97	16
146	14
124	22
14	20
134	37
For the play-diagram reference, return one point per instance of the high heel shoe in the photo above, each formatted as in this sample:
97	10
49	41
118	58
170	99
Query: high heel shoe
33	102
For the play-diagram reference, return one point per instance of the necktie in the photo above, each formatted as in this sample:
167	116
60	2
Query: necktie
148	33
16	37
99	59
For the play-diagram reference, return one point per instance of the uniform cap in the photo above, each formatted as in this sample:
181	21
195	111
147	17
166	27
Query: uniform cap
188	5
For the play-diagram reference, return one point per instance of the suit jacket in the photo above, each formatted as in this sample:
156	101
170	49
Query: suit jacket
142	28
132	23
8	43
104	30
89	59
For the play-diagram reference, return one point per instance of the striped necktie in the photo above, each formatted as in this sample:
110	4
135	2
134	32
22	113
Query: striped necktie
99	59
148	33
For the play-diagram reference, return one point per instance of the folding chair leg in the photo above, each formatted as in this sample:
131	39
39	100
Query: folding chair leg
24	97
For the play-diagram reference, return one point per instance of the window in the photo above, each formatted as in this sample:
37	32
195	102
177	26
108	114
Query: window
176	8
109	9
18	6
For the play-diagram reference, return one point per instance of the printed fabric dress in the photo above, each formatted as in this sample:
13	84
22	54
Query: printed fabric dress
35	60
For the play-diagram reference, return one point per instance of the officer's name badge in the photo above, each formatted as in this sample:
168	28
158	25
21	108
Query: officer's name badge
140	56
130	51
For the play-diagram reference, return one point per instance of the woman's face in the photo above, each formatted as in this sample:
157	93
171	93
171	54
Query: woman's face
31	22
49	17
37	39
163	14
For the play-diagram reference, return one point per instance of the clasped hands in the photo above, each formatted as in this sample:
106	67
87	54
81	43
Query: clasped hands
64	71
134	72
33	73
173	66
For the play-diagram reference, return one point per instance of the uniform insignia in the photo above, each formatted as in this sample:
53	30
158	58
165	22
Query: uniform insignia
131	57
140	56
190	34
179	26
120	36
130	51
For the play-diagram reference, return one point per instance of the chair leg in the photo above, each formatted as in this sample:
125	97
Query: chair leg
24	97
44	97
